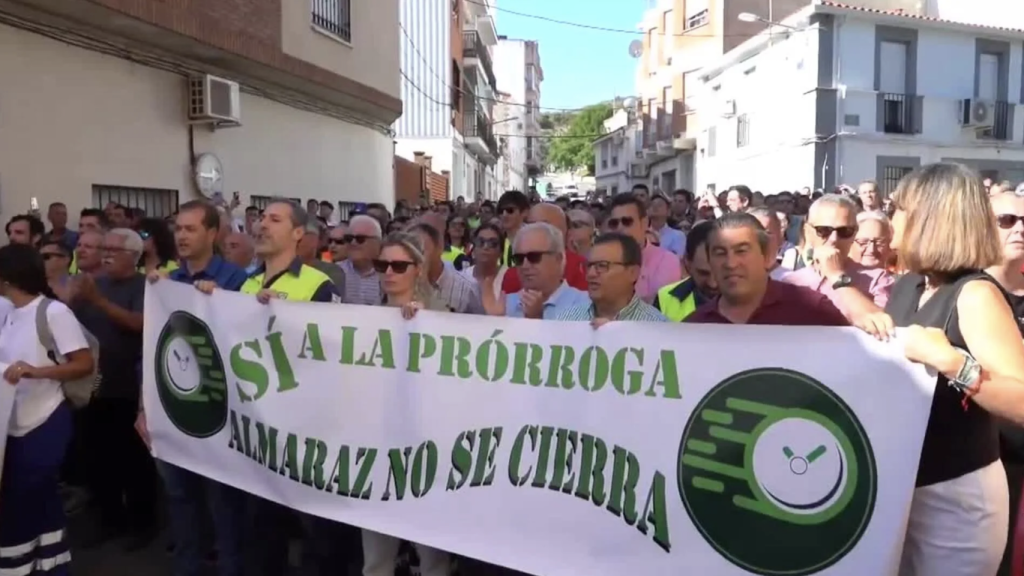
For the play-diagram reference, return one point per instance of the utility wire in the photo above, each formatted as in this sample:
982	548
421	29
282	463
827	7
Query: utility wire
465	93
599	28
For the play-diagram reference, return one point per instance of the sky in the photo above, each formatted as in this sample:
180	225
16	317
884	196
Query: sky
581	66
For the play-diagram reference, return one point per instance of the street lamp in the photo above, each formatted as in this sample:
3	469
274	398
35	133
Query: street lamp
748	17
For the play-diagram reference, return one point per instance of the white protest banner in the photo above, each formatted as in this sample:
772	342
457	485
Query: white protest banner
6	408
549	447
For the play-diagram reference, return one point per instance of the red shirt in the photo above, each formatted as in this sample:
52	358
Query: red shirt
782	305
575	274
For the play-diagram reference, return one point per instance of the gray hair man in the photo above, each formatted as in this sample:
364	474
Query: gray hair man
362	283
538	252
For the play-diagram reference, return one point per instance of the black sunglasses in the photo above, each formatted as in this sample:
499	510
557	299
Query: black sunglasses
842	232
626	221
399	266
357	238
52	255
509	210
487	243
531	257
1007	221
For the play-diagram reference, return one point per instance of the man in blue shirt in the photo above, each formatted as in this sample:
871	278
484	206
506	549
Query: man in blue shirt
671	239
195	232
538	252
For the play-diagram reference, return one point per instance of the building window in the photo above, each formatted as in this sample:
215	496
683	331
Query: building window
615	156
742	130
334	16
605	147
891	176
665	113
652	120
156	202
456	95
696	14
712	141
668	181
615	190
259	201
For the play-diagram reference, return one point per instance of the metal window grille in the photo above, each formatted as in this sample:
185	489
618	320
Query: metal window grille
259	201
334	16
896	114
156	202
742	130
698	19
346	210
891	176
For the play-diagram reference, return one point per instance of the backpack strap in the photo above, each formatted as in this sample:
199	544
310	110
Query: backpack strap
43	330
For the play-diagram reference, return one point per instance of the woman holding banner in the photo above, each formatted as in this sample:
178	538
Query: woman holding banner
403	280
959	323
32	522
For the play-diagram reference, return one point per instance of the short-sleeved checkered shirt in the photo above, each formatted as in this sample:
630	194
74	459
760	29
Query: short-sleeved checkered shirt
360	288
458	293
636	311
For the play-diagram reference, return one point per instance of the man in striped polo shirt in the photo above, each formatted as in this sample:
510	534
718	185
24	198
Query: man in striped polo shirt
613	267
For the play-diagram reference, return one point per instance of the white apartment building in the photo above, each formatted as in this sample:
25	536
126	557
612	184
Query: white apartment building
841	95
510	129
517	66
102	103
449	90
615	153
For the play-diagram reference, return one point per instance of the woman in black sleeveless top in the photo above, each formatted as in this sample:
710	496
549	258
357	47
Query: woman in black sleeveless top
1008	208
960	324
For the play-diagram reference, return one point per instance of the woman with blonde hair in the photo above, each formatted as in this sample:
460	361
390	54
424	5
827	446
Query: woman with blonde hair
403	275
403	280
958	322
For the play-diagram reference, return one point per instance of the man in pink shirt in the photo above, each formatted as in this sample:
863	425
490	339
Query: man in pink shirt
660	267
832	228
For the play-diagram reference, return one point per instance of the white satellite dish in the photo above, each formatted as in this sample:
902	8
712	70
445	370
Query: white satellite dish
636	48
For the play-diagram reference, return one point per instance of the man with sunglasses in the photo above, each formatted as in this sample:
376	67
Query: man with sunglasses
512	209
362	283
538	254
659	267
574	272
832	228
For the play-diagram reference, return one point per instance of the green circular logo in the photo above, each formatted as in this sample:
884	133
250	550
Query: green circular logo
777	473
190	377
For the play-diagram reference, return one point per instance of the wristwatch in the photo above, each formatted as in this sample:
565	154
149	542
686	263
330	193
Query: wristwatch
969	375
842	281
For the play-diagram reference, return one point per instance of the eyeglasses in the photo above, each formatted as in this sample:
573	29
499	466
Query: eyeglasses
357	238
873	242
336	241
625	221
508	210
1007	221
493	243
842	232
531	257
51	255
399	266
602	266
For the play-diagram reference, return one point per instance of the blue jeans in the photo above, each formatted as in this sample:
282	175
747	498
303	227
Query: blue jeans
186	492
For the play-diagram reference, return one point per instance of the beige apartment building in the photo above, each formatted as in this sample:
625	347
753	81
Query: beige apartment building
152	103
680	38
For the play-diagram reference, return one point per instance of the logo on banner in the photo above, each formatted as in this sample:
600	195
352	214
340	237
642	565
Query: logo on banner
190	377
777	473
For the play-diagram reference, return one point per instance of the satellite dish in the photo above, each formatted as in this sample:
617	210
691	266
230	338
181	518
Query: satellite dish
636	48
629	103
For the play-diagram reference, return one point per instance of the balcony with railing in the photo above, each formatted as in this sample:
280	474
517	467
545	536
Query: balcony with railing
1002	121
896	113
474	53
478	130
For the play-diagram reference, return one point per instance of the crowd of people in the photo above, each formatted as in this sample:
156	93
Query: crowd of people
941	257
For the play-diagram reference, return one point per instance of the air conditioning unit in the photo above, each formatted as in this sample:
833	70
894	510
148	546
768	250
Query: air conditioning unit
213	100
728	109
977	114
638	171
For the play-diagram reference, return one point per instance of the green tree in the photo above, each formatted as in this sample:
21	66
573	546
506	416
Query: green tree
572	149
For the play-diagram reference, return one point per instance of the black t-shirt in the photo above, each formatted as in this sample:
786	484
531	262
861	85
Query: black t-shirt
120	348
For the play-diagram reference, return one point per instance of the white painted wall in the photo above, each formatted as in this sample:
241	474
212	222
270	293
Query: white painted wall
776	90
1002	13
510	68
124	124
